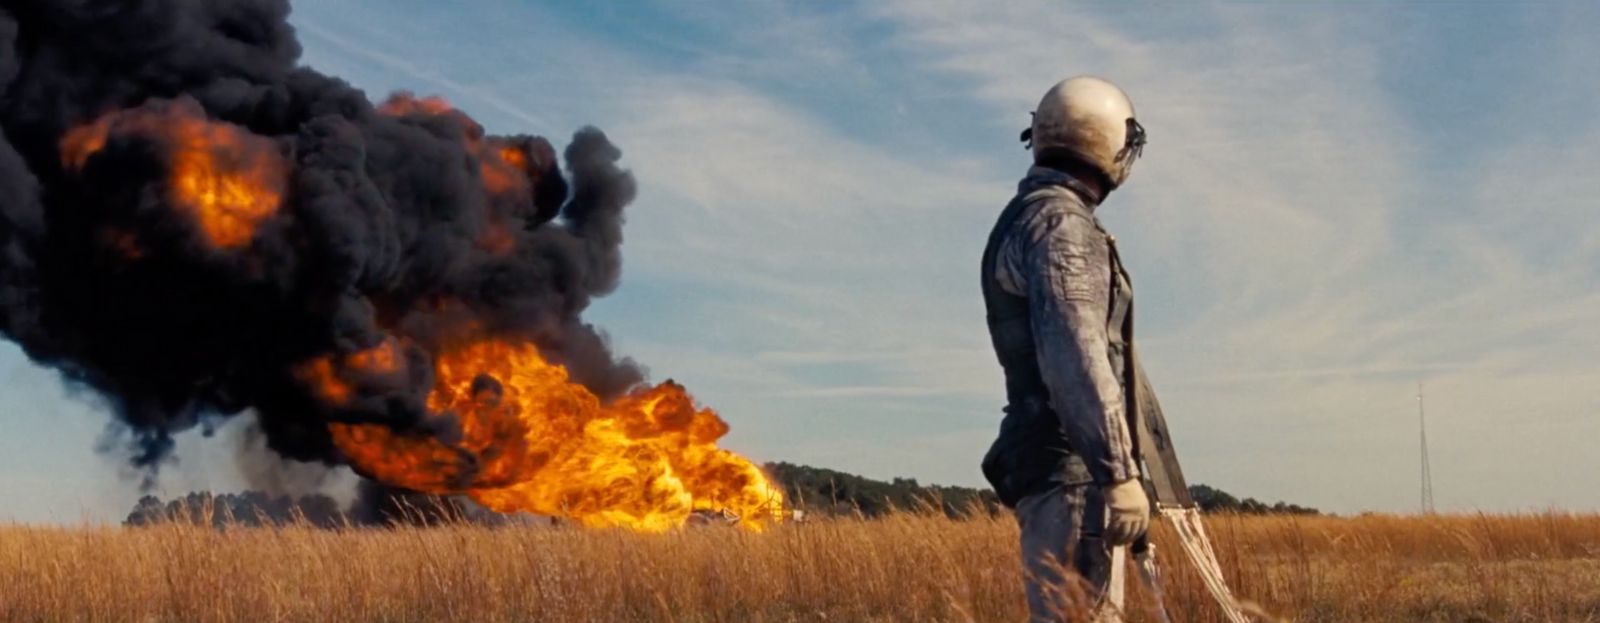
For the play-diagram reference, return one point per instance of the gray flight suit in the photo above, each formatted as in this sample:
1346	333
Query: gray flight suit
1059	306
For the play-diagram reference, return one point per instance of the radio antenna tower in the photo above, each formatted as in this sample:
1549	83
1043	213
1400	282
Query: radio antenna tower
1427	474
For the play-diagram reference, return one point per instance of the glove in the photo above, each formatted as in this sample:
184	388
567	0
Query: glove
1128	512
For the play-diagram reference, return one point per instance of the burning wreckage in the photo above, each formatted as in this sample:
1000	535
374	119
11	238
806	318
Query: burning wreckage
196	226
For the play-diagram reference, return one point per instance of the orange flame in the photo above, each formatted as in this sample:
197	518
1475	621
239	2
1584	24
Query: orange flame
402	104
514	156
228	179
320	374
533	440
83	141
502	167
504	171
328	378
229	186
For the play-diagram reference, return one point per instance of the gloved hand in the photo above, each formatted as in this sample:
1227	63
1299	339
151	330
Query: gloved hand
1128	512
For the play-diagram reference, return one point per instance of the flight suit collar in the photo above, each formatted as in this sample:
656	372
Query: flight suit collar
1039	177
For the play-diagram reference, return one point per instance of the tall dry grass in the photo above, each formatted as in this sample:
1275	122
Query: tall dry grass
907	567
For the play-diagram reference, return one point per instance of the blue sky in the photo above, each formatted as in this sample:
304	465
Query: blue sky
1338	201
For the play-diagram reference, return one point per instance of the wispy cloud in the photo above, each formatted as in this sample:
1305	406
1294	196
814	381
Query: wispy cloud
429	78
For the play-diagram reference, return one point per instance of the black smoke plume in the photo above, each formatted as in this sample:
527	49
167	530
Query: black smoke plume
399	223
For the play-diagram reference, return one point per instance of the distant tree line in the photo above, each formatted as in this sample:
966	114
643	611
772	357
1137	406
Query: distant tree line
830	492
1218	501
250	508
811	489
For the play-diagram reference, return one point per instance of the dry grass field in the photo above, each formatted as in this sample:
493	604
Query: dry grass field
908	567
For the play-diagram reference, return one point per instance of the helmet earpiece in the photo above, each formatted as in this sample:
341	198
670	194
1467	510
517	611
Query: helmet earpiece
1133	145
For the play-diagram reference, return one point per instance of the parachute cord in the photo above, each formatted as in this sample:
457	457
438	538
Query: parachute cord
1192	536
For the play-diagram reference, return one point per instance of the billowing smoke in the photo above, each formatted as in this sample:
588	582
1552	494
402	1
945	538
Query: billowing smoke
195	226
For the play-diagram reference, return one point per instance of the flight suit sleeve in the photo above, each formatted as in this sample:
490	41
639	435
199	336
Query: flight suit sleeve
1068	270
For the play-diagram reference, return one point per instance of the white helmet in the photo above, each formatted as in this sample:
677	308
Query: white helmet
1090	120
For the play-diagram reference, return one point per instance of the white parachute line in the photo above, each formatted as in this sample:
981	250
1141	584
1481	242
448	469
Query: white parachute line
1192	537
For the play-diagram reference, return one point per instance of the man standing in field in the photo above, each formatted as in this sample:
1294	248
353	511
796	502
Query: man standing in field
1060	317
